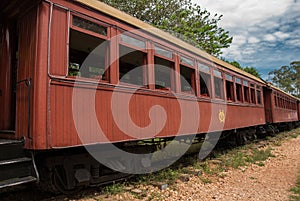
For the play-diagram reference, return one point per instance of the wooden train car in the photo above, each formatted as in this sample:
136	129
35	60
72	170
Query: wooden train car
56	36
79	72
280	107
298	107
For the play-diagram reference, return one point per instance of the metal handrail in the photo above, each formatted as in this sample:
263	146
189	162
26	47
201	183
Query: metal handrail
28	83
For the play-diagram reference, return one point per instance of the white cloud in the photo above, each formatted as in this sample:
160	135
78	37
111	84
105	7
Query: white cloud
265	32
239	39
253	40
281	35
270	38
245	12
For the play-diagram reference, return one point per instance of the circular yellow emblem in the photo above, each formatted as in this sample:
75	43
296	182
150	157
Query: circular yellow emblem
222	116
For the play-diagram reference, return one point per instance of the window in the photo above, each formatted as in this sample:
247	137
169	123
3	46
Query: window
88	50
229	87
163	52
132	61
258	92
88	25
218	84
187	78
164	69
163	72
238	84
253	98
246	91
131	66
205	80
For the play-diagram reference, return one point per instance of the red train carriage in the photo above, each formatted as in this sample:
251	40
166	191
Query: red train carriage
298	103
67	81
281	108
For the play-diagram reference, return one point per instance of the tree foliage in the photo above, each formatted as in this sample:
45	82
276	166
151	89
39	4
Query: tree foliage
181	18
251	70
287	78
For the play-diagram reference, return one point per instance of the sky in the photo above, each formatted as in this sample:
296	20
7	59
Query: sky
266	33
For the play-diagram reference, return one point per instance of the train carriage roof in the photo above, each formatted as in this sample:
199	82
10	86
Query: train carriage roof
280	90
108	10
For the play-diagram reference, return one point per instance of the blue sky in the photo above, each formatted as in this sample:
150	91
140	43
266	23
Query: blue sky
266	33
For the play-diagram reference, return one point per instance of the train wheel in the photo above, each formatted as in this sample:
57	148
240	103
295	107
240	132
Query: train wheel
60	181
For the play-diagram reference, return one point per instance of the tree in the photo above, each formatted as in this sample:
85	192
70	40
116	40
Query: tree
181	18
287	78
251	70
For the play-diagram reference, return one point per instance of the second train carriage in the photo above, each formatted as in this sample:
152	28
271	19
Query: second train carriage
281	108
43	49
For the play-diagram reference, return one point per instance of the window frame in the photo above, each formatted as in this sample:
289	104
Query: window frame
193	76
239	89
231	82
106	38
171	60
136	48
207	75
221	79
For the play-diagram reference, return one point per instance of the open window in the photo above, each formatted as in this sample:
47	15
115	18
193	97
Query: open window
164	69
205	80
246	91
229	87
88	49
132	61
238	86
187	72
252	94
258	94
218	84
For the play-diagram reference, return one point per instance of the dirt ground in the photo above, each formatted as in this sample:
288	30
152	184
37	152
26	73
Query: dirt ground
270	182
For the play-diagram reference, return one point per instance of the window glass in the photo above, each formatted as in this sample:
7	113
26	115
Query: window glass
239	95
246	94
81	47
187	78
229	90
203	68
205	84
238	80
186	61
217	73
258	97
131	64
88	25
219	88
163	52
253	98
229	77
133	41
163	73
245	83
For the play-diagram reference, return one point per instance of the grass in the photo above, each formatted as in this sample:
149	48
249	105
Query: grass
296	191
114	189
223	160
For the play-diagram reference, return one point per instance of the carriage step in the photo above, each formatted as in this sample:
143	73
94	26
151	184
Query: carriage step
16	181
9	132
10	142
15	160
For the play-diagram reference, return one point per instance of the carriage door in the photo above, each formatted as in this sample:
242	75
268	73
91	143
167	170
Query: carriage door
8	44
268	105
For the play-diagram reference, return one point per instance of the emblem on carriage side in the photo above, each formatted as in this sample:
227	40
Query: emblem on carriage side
222	116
